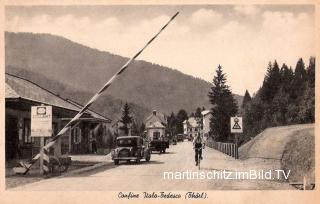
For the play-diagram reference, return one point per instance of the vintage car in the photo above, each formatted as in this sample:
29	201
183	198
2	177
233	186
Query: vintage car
159	144
180	137
167	142
174	140
130	148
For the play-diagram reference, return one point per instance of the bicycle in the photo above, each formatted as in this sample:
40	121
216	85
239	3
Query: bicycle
198	156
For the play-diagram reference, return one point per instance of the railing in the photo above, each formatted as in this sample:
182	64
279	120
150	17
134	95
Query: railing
230	149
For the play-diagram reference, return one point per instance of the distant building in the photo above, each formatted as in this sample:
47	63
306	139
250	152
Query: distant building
20	95
191	127
206	115
155	125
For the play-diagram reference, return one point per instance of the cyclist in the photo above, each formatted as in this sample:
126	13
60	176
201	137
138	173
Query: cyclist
198	145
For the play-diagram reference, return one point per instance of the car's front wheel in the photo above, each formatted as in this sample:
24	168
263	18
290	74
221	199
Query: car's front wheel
148	158
116	162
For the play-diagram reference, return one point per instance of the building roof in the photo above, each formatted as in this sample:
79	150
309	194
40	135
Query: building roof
156	124
160	116
193	122
205	112
10	93
91	112
20	88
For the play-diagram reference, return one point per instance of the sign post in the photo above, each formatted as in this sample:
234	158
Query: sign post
41	127
236	128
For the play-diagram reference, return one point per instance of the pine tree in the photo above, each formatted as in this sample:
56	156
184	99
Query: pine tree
172	124
286	77
126	119
299	80
311	72
181	116
224	106
142	128
307	105
271	82
246	99
135	130
198	113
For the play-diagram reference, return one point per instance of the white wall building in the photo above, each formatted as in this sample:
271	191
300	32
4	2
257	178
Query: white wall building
191	127
206	115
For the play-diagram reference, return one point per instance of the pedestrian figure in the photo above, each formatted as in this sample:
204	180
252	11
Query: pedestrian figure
94	145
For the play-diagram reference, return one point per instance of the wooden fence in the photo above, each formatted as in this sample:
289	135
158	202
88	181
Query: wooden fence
230	149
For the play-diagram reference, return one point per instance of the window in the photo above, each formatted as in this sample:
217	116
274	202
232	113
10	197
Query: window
156	135
27	131
195	129
76	135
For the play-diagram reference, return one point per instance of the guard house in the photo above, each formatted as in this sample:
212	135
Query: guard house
20	95
155	125
99	128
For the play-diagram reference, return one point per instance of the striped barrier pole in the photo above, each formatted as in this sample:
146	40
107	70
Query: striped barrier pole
46	161
93	99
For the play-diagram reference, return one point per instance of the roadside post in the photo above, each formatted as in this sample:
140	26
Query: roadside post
236	128
41	127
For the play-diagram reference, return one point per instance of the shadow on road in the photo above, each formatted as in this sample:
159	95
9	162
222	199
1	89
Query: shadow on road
170	153
150	163
163	153
94	171
110	166
141	163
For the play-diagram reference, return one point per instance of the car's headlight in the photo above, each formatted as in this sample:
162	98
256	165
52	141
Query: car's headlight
114	152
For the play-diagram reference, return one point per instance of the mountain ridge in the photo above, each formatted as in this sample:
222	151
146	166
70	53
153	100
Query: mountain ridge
86	69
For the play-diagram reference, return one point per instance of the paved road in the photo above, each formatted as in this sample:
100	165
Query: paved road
149	176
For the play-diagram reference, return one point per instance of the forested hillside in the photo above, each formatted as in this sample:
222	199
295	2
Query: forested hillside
85	69
287	96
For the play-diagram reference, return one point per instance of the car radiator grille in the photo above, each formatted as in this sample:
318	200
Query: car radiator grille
124	153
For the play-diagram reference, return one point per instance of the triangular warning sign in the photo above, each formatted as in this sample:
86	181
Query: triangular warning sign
236	125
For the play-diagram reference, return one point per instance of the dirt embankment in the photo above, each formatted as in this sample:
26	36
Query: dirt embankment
292	146
299	157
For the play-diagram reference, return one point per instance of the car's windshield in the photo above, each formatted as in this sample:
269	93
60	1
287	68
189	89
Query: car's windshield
127	142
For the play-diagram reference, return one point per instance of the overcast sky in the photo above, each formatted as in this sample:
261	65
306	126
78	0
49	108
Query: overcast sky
241	38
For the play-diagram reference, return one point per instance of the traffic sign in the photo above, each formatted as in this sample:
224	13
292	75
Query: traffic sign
236	124
41	121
